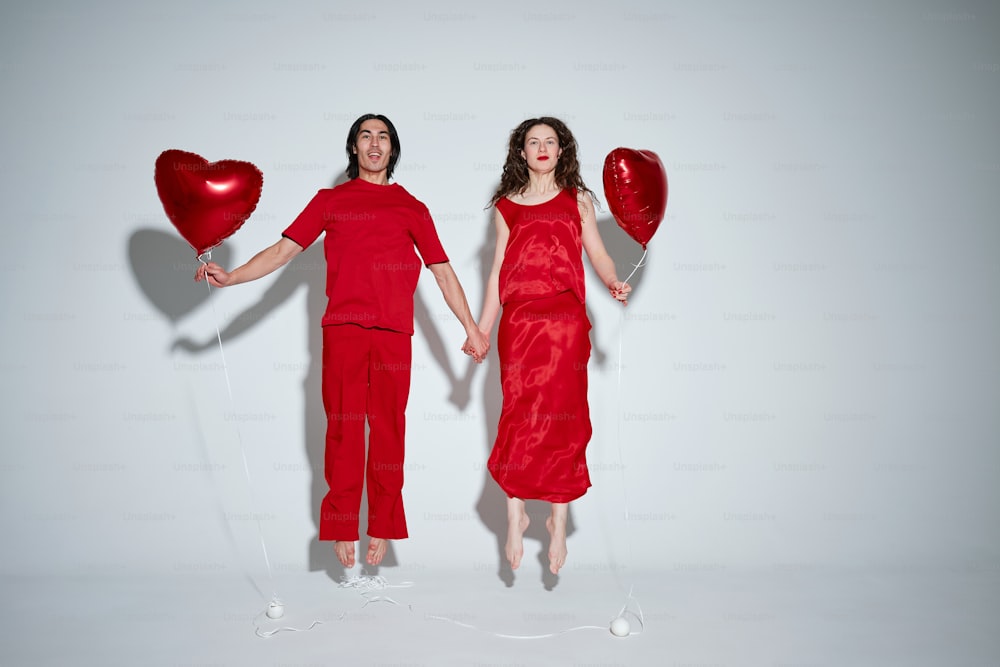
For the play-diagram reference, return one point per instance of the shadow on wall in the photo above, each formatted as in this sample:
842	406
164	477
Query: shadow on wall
625	251
163	267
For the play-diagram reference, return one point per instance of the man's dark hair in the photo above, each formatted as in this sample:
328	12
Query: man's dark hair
352	139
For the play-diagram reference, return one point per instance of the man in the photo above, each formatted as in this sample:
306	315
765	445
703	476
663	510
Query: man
371	229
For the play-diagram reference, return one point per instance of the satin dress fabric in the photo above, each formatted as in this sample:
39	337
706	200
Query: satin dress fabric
544	347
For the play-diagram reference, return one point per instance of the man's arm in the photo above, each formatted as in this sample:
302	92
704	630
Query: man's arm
266	261
454	296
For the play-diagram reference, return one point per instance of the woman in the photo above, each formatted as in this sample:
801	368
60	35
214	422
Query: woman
544	219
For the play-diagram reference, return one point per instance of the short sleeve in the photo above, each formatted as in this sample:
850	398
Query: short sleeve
311	222
426	239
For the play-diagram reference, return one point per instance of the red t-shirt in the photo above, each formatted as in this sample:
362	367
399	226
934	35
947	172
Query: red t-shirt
372	269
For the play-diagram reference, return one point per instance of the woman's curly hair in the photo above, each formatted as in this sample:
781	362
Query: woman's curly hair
514	179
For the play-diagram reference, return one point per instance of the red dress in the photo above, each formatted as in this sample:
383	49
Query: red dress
544	346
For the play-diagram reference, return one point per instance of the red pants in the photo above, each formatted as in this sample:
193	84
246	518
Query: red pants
366	375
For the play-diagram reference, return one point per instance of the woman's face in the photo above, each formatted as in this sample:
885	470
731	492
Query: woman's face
541	148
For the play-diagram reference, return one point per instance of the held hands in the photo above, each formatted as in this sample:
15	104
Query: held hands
213	273
620	291
476	345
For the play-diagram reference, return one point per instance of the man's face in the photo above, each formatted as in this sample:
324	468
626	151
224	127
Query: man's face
373	146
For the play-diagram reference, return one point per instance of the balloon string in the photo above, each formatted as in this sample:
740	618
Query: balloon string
621	464
618	437
239	437
642	261
639	617
367	585
505	636
286	628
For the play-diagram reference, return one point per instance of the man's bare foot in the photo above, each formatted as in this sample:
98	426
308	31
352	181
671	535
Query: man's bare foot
557	532
345	552
517	523
376	550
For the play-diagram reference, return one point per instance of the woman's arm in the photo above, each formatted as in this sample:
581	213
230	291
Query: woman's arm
491	299
598	254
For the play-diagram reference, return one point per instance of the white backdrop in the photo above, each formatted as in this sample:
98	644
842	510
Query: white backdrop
807	373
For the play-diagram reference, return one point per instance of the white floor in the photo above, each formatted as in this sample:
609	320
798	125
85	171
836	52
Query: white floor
700	617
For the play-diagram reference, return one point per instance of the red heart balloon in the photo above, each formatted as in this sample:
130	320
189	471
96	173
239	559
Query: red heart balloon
206	201
635	185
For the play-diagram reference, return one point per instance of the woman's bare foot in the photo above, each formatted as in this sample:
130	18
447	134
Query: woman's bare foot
376	550
345	552
517	523
557	532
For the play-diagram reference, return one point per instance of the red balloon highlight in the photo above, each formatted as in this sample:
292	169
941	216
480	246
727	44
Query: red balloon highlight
635	185
206	201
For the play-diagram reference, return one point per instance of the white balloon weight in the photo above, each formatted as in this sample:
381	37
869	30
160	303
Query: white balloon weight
275	610
620	627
